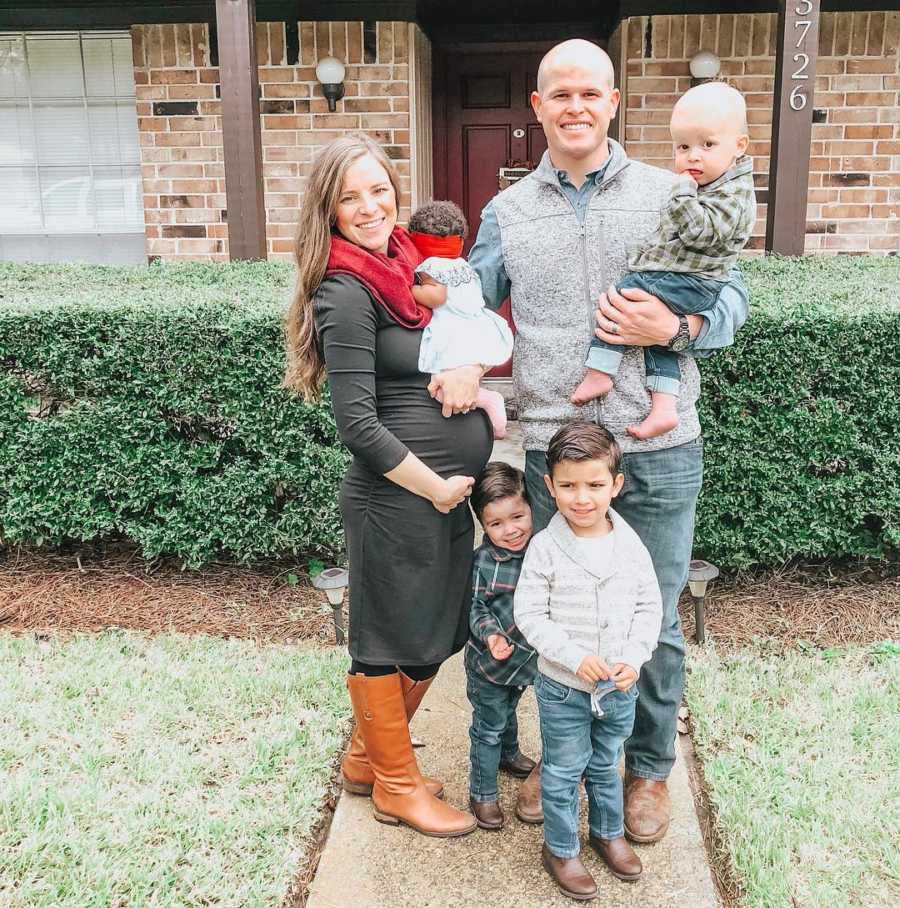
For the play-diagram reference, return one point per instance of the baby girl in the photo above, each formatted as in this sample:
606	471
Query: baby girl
461	331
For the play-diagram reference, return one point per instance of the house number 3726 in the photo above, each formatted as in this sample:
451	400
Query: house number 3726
799	97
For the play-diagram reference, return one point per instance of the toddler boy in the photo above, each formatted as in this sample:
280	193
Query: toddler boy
686	260
499	662
589	603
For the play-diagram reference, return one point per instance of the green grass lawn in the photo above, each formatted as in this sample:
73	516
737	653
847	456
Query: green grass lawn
801	752
161	771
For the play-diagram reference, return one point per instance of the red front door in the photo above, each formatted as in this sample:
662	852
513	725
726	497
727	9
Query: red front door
483	122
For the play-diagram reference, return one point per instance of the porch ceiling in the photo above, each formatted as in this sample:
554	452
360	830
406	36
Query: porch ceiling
433	15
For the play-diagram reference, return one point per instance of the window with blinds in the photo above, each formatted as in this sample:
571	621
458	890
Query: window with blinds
69	150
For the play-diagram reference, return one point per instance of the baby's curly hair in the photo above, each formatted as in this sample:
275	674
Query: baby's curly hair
439	219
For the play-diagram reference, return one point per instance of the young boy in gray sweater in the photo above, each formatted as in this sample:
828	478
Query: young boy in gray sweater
589	603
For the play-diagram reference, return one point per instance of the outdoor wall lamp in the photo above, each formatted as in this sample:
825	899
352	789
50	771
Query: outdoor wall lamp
704	66
333	581
699	575
330	72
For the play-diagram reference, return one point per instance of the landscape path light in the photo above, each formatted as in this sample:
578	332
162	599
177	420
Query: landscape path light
699	575
333	581
704	67
330	72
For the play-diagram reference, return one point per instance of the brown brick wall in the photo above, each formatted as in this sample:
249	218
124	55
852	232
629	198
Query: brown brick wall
854	182
179	120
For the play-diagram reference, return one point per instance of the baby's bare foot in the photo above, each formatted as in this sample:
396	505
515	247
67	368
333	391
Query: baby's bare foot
594	384
662	417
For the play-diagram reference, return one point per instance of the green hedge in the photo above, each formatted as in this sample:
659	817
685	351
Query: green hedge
144	403
800	417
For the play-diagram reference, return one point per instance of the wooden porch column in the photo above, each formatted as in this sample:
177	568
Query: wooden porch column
236	24
795	77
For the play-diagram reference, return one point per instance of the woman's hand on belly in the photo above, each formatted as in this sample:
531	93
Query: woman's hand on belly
456	389
455	491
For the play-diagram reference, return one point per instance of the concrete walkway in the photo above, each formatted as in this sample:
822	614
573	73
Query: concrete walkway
366	864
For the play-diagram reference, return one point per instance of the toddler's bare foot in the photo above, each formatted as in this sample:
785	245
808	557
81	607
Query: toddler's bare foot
594	384
494	405
662	417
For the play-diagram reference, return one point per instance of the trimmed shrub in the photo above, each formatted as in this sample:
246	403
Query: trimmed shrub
800	417
145	403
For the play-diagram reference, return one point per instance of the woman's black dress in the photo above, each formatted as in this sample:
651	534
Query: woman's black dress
410	565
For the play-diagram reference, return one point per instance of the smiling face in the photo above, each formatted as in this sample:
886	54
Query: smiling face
367	205
575	103
507	522
583	491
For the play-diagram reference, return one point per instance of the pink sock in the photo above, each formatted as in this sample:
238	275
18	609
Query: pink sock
494	405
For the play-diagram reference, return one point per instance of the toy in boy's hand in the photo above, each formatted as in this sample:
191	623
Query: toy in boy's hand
601	690
499	646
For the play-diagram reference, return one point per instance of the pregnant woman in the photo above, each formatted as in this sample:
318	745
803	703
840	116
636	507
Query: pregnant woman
408	528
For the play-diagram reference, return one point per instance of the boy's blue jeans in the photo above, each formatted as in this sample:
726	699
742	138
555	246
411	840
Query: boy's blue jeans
658	501
494	733
684	294
574	742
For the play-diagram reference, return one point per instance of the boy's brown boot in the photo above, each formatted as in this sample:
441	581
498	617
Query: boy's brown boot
357	775
528	804
399	794
619	856
488	814
572	877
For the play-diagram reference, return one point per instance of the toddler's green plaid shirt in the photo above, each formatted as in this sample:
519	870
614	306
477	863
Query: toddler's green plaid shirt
495	573
703	228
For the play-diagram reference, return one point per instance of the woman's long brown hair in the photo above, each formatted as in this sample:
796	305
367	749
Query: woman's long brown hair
305	367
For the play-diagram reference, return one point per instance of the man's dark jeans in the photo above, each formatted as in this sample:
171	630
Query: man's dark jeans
659	501
494	733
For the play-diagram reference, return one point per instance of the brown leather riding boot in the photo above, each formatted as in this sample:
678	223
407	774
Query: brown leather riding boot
357	774
399	794
647	809
528	804
572	877
619	856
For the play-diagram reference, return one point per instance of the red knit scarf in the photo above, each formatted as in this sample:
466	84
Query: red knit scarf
387	276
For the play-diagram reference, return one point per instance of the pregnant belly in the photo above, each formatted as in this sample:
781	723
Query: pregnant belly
460	445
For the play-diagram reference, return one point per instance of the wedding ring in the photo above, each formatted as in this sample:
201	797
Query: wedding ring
613	328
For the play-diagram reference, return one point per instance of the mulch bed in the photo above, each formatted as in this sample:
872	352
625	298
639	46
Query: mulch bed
820	605
40	592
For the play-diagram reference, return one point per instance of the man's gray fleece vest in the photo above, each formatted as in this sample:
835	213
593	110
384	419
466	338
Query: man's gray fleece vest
558	269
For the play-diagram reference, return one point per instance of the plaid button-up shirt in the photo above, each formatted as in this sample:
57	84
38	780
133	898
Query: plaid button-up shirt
703	228
495	573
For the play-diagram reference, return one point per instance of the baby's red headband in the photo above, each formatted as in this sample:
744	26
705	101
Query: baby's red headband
448	247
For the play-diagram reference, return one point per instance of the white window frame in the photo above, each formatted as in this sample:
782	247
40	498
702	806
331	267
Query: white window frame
70	230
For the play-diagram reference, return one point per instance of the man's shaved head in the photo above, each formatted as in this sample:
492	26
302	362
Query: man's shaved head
713	100
575	54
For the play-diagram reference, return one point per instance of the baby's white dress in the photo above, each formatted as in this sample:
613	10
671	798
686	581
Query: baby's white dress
463	331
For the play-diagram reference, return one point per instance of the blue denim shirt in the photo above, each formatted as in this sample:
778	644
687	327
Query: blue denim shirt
720	324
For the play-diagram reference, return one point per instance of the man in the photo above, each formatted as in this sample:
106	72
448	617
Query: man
554	242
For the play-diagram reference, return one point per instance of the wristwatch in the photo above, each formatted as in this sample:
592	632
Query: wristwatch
682	337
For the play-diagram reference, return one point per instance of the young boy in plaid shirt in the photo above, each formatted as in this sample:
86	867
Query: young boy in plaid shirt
499	662
686	260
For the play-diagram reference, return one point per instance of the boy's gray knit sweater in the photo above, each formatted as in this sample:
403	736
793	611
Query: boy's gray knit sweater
567	609
558	269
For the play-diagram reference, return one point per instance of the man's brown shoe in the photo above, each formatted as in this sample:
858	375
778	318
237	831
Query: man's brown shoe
619	856
572	877
528	804
519	766
488	814
647	809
